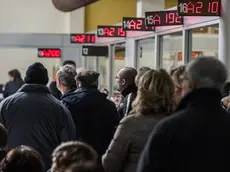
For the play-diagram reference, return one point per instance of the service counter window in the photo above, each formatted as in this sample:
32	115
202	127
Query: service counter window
91	62
171	51
103	69
146	53
205	41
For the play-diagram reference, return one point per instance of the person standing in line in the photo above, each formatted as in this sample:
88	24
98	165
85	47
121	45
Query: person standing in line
53	85
66	82
125	82
14	84
154	101
196	137
33	117
95	116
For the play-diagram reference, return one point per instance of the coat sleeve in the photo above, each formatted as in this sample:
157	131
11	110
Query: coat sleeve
115	156
3	112
155	156
68	131
6	91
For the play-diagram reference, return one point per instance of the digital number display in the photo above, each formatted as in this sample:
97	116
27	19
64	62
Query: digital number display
163	18
82	38
95	50
49	53
199	7
136	24
110	31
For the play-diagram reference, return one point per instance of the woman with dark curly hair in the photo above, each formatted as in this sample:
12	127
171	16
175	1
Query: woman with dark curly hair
154	101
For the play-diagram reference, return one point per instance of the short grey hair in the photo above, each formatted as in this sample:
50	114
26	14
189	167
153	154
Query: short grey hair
66	75
207	72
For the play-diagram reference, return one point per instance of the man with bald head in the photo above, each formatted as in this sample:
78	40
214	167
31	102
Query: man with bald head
125	82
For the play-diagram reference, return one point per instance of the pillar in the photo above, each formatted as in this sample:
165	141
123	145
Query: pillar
224	35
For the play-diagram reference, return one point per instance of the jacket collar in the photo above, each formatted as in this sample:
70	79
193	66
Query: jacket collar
130	89
204	97
37	88
67	93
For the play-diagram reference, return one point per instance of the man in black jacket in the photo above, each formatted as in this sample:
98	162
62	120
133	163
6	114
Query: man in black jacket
95	116
196	137
125	81
33	117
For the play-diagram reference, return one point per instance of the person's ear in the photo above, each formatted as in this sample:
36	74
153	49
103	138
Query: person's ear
123	82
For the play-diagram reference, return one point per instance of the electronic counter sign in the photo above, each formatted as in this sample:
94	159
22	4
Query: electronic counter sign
199	7
82	38
136	24
110	31
163	18
49	53
95	50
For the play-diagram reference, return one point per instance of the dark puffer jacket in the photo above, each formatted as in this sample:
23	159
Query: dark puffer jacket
95	117
33	117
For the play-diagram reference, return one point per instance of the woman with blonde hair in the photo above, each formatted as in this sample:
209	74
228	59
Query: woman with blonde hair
154	101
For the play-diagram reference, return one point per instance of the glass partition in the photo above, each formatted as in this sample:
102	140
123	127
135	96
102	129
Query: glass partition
91	63
171	50
205	41
103	69
146	53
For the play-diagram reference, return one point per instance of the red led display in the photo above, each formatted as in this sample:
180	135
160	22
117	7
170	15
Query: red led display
163	18
49	53
199	7
136	24
82	38
110	31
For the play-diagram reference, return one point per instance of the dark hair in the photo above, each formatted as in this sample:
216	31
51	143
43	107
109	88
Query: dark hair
17	77
88	78
73	154
69	62
24	159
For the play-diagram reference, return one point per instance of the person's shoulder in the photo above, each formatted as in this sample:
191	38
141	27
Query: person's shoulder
129	120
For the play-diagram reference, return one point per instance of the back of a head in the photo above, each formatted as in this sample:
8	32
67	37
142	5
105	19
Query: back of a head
69	62
66	75
75	154
155	93
37	74
23	159
179	74
88	78
207	72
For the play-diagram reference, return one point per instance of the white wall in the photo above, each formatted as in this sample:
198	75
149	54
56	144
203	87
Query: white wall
21	58
148	5
33	16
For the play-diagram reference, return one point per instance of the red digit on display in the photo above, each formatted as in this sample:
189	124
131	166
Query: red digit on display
139	24
88	38
93	38
157	19
199	7
83	38
178	19
57	53
106	32
121	32
190	8
132	24
42	54
214	7
170	18
112	30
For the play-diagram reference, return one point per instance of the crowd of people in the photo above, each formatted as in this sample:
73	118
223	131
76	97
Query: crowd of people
177	121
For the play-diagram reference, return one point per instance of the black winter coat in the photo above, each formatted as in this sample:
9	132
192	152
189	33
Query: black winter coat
195	138
122	107
12	87
95	117
33	117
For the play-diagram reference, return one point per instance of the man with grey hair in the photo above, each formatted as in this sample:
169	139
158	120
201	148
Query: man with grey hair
197	136
66	79
95	116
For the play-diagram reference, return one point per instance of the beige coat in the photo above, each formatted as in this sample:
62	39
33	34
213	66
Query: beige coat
128	142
